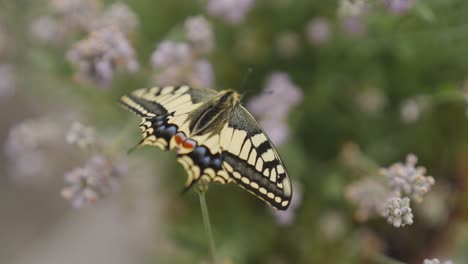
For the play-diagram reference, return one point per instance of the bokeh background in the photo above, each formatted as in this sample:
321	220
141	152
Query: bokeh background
344	88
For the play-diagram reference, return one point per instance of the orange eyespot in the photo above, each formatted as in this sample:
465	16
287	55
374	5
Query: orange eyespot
189	144
179	138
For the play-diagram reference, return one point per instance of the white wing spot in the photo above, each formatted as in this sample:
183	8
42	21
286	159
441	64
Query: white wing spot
254	185
262	190
259	165
258	139
268	155
252	157
245	150
246	180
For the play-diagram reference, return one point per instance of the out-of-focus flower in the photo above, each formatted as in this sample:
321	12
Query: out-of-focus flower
80	135
411	109
437	261
76	13
48	29
199	34
169	53
436	206
331	226
369	195
318	30
399	6
371	101
285	218
118	15
7	80
274	104
100	54
26	148
352	13
176	63
353	8
398	212
98	178
287	44
232	11
354	26
408	180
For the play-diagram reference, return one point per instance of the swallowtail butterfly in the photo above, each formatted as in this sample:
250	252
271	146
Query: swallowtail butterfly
215	137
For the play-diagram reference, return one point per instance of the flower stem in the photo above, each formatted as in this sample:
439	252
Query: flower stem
206	222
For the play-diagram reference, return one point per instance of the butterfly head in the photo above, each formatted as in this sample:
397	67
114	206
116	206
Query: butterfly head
228	98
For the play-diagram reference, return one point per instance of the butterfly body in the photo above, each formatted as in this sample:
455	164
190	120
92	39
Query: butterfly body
215	137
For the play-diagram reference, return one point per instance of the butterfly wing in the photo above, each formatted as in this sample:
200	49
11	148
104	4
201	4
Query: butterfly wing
252	161
164	111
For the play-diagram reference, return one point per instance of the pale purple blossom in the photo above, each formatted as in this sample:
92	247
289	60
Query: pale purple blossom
318	30
437	261
407	179
369	195
76	13
352	14
354	25
48	29
118	15
100	54
273	105
412	108
399	7
81	136
27	147
7	81
232	11
398	212
169	53
176	64
95	180
199	34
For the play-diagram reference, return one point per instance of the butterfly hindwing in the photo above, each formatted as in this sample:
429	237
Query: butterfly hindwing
252	161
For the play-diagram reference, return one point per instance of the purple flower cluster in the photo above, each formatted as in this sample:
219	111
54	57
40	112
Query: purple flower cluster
232	11
184	62
273	105
102	53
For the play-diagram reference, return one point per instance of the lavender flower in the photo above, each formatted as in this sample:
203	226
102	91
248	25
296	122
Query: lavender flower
26	148
274	104
398	212
169	53
48	29
176	63
232	11
200	34
318	30
7	80
406	179
80	135
412	108
118	15
76	13
399	7
332	226
437	261
369	195
98	178
99	55
285	218
352	13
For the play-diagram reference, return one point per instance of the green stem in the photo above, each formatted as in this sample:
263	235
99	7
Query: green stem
206	222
